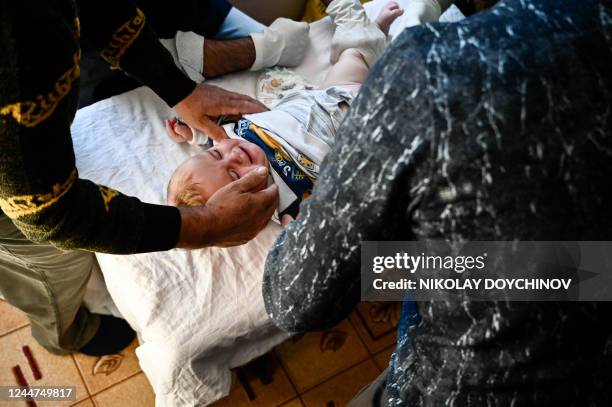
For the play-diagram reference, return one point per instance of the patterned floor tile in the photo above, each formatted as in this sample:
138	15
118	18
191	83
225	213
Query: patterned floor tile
53	370
278	391
314	357
376	323
133	392
11	318
341	389
317	365
101	373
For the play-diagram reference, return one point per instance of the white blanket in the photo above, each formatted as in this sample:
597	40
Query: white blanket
198	313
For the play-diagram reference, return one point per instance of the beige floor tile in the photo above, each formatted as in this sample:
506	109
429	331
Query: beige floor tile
382	358
314	357
101	373
11	318
277	392
342	388
134	392
376	324
84	403
293	403
55	370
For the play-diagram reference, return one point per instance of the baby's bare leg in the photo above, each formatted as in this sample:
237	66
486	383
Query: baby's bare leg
351	69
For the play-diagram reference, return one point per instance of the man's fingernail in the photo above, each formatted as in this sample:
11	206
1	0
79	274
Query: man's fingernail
261	171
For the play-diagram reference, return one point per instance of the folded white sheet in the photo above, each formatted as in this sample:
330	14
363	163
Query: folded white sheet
198	313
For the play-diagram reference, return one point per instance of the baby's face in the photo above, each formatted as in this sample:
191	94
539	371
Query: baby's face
229	160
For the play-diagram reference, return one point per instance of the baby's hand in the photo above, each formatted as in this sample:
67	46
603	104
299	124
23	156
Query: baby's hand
286	220
178	131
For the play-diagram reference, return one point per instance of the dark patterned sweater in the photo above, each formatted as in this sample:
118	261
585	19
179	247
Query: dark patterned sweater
493	128
40	189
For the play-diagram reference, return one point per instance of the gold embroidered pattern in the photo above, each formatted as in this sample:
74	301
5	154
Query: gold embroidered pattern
18	206
77	27
107	195
123	38
30	113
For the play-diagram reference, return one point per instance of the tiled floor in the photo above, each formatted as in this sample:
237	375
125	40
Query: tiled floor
316	369
99	382
325	369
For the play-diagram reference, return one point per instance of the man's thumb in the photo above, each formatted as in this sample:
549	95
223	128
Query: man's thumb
253	181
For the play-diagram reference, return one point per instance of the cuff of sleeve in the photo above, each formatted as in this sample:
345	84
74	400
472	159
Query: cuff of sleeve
162	225
190	51
268	47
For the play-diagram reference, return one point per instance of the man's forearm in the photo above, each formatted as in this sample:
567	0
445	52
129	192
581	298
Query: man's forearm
227	56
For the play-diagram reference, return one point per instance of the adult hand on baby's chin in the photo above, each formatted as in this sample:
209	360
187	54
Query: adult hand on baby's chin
234	214
206	103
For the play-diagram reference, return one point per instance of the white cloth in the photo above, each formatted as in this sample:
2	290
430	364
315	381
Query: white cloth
187	49
197	313
276	83
197	137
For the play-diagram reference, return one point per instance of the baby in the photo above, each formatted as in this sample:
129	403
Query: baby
293	138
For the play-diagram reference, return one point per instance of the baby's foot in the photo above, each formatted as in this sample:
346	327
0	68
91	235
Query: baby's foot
389	13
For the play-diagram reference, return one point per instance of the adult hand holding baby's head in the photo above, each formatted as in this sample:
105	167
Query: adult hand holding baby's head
232	216
205	104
